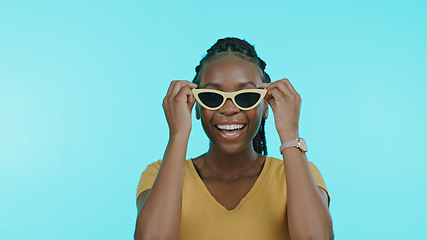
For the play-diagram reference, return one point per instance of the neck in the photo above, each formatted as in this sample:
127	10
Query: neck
231	163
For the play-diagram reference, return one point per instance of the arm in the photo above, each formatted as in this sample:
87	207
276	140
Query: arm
160	213
159	209
307	208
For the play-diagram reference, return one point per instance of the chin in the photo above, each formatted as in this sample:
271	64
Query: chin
230	148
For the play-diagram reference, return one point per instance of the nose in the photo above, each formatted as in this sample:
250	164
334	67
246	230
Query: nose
229	108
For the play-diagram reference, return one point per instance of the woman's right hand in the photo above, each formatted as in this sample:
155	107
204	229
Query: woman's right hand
177	105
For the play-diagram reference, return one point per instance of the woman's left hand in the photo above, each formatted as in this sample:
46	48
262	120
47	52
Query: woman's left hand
286	105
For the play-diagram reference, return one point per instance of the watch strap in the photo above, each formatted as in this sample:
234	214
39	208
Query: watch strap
289	143
293	143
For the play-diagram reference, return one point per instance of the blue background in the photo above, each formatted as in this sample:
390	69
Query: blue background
81	87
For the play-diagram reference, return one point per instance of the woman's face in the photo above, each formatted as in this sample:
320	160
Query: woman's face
229	74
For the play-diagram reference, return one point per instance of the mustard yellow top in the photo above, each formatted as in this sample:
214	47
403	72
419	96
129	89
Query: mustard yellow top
261	214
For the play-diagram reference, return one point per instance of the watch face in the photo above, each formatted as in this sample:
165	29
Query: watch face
303	144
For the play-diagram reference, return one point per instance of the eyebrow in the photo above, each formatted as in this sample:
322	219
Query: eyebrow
213	85
243	84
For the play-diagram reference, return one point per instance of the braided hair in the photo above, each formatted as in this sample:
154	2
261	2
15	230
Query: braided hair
240	48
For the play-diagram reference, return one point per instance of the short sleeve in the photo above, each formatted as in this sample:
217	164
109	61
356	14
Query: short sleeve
319	179
148	177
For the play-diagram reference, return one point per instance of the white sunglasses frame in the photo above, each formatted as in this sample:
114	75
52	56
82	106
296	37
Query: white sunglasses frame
229	95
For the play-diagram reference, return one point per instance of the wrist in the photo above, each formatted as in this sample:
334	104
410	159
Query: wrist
298	143
288	135
179	136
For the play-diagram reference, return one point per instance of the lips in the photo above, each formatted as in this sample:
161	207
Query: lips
230	131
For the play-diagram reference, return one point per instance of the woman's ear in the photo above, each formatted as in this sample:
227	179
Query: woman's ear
197	111
265	111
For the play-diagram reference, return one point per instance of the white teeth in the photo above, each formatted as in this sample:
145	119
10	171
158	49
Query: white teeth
231	127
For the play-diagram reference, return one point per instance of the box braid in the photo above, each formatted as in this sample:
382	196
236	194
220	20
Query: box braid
242	49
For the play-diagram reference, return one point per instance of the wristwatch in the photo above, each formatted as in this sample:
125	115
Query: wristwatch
298	143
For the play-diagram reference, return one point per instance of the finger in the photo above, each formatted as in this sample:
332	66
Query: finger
184	83
265	85
170	88
284	80
193	85
189	84
176	85
270	84
190	97
184	93
284	88
190	100
276	92
271	100
288	83
176	89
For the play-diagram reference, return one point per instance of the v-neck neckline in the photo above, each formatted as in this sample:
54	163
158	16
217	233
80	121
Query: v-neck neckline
253	189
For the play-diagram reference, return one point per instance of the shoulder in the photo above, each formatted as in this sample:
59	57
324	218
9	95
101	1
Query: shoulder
275	162
153	167
273	168
156	165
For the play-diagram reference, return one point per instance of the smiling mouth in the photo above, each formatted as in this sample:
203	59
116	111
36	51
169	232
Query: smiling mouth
231	130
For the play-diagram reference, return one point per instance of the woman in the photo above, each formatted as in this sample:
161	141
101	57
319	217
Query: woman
233	191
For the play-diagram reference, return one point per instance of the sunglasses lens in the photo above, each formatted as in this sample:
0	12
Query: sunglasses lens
246	100
212	100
